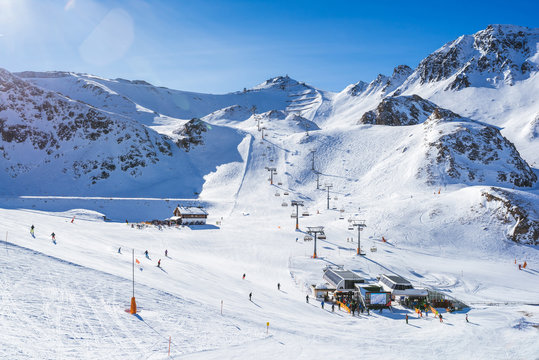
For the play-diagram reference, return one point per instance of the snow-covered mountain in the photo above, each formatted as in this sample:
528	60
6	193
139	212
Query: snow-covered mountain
489	143
438	161
58	146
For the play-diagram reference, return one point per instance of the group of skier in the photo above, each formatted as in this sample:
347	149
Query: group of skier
147	254
32	232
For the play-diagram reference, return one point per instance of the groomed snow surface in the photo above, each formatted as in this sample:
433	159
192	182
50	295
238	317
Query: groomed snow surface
67	300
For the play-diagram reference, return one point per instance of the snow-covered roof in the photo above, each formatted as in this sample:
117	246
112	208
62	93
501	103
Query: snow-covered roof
190	210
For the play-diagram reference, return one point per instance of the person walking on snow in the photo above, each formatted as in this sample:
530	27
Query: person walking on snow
159	263
250	295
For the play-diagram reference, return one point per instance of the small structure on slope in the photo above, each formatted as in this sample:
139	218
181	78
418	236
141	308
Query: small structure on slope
189	215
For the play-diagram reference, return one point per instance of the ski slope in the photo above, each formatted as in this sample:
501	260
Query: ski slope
74	293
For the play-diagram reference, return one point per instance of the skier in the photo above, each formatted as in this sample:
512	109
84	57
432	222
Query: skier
296	239
120	250
307	299
243	276
146	253
322	304
250	295
406	318
440	317
467	318
73	219
525	264
32	229
332	307
159	263
166	253
53	236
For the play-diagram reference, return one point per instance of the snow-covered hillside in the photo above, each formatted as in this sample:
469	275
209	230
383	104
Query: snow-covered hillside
52	145
439	161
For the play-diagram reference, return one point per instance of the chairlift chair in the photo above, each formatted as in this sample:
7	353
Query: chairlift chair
307	238
305	213
286	193
322	236
279	183
373	249
293	215
350	228
277	194
335	198
284	204
341	217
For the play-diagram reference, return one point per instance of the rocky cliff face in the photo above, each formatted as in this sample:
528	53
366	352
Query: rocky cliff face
463	151
399	110
500	53
41	129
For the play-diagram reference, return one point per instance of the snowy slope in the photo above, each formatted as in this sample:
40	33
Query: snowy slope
80	150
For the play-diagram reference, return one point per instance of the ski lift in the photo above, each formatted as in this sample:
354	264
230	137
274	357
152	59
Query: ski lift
341	217
264	154
342	210
350	228
335	198
294	215
279	183
271	160
307	238
284	204
286	193
373	249
322	236
305	213
277	194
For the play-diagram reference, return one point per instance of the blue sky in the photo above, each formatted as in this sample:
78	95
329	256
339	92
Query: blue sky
222	46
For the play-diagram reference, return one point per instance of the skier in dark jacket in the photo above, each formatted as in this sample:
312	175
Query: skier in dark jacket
159	263
278	286
166	253
53	236
307	299
250	295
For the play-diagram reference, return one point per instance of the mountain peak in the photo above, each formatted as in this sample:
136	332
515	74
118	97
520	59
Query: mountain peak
278	82
497	54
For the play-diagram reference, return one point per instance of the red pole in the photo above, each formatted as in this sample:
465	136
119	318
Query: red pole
169	345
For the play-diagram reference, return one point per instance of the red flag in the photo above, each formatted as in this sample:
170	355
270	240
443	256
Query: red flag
136	260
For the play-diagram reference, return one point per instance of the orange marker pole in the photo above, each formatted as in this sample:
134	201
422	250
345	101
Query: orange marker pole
133	309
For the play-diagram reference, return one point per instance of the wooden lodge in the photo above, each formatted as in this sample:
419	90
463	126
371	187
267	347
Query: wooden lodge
189	215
